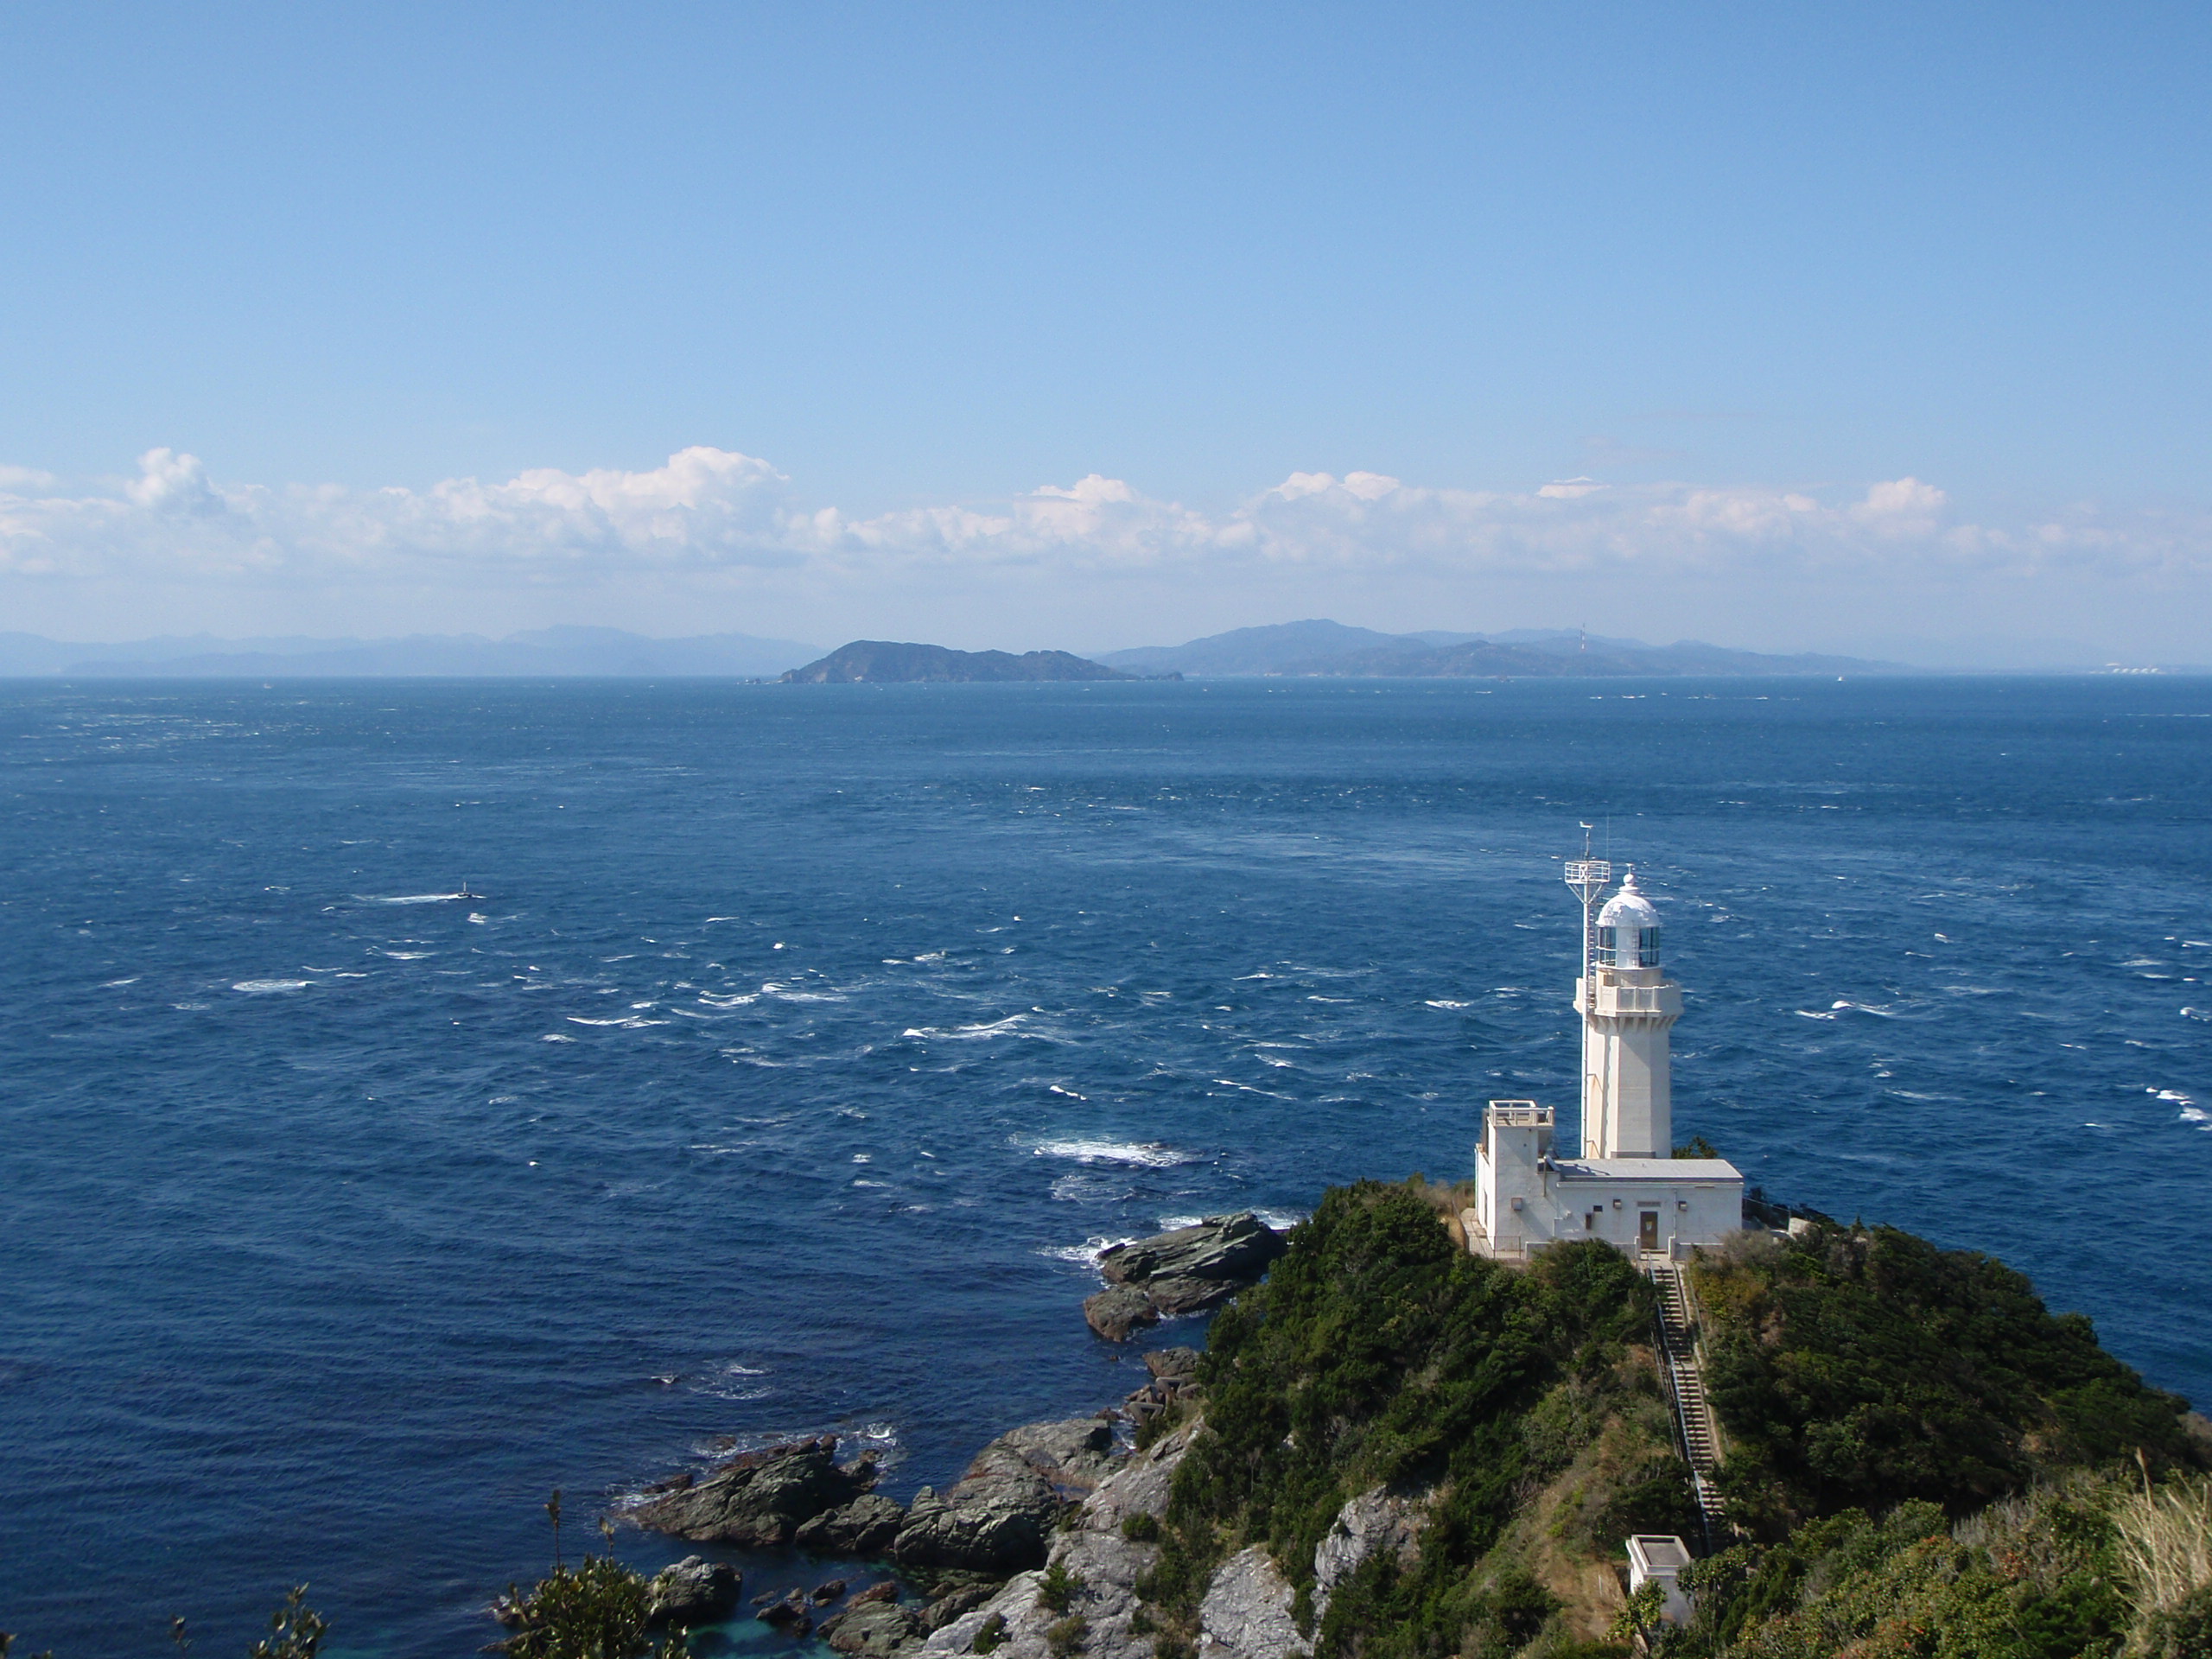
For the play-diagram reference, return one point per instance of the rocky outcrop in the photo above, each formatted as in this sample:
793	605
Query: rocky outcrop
864	1527
995	1518
874	1629
1187	1271
1246	1612
1118	1311
1096	1551
693	1591
760	1499
1368	1525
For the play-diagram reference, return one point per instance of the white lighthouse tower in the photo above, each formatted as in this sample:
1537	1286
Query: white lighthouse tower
1626	1188
1628	1006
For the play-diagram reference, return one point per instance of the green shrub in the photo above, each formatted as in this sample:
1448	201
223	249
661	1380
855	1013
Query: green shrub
1058	1588
1065	1636
1860	1369
989	1635
1140	1527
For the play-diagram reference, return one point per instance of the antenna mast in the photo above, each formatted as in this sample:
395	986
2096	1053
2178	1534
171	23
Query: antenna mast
1588	876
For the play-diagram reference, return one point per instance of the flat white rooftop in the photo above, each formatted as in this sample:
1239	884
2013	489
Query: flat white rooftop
1647	1169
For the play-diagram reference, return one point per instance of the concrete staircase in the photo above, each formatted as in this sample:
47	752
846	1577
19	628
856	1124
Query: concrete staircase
1692	1415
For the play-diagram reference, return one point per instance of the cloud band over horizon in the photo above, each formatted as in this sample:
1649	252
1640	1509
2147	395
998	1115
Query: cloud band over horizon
727	527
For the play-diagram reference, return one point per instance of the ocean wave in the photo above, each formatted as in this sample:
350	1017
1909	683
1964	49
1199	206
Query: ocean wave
1135	1155
1446	1002
407	955
627	1022
1086	1254
410	897
556	1037
966	1033
265	986
1079	1186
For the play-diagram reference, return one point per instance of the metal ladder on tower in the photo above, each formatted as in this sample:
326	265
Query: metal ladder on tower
1693	1414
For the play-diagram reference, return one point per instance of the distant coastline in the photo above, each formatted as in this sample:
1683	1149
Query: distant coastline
1312	649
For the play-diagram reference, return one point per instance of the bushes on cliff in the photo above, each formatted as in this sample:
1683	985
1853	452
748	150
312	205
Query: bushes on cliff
1379	1354
1855	1368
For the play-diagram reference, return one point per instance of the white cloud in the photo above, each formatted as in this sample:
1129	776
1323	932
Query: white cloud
735	519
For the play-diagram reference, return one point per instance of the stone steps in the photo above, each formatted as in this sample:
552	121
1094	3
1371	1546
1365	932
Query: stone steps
1693	1419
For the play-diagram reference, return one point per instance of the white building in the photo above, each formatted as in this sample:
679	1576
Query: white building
1625	1187
1659	1558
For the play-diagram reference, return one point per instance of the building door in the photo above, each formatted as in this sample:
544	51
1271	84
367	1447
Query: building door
1647	1230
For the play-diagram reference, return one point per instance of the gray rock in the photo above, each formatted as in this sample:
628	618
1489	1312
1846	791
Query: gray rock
1095	1551
1229	1249
1187	1271
760	1499
997	1517
950	1606
874	1629
1246	1612
1176	1364
1118	1310
864	1527
1366	1526
693	1591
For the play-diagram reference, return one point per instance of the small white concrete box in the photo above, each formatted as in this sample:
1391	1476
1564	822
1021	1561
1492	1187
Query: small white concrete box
1660	1557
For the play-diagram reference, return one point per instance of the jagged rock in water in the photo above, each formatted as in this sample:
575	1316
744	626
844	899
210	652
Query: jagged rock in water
1171	1363
1366	1526
825	1593
995	1517
1246	1612
693	1591
1095	1551
1117	1311
1187	1271
759	1499
874	1629
864	1527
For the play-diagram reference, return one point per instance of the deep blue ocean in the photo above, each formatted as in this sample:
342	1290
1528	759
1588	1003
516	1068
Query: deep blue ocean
800	1041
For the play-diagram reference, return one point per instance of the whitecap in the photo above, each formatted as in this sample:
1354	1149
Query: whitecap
962	1033
112	983
1281	1220
479	918
861	1183
408	955
411	899
735	1000
1087	1253
263	987
556	1037
1140	1154
1446	1002
1811	1014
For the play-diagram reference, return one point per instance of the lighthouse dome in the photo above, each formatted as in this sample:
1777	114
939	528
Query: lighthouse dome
1628	929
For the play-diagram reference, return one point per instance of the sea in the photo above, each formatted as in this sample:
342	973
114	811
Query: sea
420	1097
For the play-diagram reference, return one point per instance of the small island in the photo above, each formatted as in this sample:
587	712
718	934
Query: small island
883	662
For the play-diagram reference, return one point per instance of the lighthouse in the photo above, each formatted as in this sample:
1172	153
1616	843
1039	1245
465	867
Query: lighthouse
1626	1188
1628	1006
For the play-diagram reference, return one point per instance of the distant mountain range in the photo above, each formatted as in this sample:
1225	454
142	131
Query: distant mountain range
541	653
879	661
1311	648
1322	647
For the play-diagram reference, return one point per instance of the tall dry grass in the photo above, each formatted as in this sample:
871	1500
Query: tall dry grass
2165	1541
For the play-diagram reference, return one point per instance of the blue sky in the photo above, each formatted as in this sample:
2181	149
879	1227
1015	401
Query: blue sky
362	273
